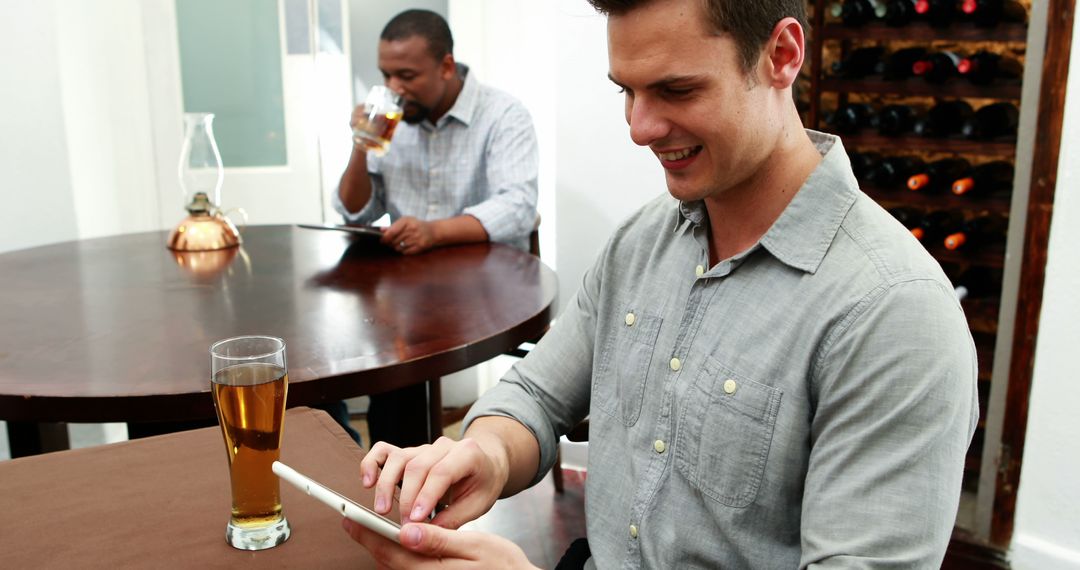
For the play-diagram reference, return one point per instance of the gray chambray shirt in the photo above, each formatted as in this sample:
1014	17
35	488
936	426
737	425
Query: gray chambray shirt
806	403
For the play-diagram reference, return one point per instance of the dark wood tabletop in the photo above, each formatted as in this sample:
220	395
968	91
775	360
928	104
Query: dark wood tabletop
119	328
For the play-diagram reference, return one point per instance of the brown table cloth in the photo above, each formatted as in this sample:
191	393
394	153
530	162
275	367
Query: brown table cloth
163	502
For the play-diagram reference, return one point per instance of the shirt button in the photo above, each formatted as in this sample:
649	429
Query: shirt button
633	531
675	364
630	318
659	446
699	270
730	386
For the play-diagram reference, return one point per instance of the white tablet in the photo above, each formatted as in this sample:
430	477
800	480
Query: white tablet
347	507
369	231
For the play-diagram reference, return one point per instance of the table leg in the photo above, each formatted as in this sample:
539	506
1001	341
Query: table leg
401	417
32	438
434	399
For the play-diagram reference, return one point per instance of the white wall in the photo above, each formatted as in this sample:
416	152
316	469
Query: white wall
77	155
603	176
107	115
1047	531
483	38
35	184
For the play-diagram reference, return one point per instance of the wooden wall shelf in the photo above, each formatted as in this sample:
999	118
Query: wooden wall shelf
921	32
953	89
982	314
870	140
904	197
993	257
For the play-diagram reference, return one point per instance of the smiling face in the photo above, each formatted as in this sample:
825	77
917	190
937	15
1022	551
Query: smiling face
423	81
710	123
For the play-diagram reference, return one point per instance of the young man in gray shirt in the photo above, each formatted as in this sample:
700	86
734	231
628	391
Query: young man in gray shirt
777	374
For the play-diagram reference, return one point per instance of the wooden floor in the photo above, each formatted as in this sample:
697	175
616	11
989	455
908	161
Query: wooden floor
539	520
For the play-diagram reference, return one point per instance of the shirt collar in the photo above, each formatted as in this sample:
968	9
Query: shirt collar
802	234
466	102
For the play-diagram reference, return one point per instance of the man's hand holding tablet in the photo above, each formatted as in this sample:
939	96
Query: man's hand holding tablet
414	545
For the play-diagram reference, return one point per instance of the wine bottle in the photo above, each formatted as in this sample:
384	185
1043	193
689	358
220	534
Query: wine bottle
939	175
985	67
978	232
939	13
858	63
851	118
936	225
937	67
892	172
977	282
863	162
899	13
898	65
944	119
894	120
994	120
990	13
986	179
855	13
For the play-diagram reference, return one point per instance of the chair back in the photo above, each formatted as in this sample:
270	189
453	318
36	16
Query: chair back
534	238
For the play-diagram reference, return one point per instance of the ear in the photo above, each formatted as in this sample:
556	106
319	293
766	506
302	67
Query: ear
447	67
784	53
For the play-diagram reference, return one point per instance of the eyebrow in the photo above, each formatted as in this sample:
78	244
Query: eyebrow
664	81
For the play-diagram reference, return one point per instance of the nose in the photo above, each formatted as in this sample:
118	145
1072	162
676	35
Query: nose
395	85
646	120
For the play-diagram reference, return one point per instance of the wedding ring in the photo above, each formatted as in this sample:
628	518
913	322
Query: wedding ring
401	243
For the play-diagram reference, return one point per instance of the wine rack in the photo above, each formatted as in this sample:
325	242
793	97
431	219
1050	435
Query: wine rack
917	87
821	92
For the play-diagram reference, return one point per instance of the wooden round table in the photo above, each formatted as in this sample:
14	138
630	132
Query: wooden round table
119	328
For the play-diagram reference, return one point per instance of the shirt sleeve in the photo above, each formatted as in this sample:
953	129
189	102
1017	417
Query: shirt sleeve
896	407
512	166
376	206
548	391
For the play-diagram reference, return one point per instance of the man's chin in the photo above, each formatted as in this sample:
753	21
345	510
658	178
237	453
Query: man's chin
682	189
413	114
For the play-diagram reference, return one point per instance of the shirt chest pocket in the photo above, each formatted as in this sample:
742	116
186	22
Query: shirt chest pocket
724	434
619	384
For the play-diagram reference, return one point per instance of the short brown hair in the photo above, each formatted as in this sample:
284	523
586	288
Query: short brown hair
750	22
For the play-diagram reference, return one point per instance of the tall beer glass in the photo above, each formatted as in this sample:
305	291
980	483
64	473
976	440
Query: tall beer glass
250	380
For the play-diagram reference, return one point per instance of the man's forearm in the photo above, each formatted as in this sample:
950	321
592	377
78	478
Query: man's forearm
355	187
511	446
459	229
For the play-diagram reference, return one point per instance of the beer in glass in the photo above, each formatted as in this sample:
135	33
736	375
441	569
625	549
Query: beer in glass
250	382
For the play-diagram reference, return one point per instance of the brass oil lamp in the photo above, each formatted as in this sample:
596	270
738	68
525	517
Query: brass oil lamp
201	173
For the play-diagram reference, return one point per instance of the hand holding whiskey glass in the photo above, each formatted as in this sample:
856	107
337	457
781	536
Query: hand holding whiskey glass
374	121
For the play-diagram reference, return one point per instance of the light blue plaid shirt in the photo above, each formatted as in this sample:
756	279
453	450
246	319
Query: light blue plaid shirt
805	403
480	158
